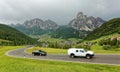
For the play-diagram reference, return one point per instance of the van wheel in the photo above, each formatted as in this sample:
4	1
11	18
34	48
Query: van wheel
88	56
72	55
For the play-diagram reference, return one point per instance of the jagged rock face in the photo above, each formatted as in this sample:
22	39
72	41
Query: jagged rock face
48	24
82	22
36	26
51	25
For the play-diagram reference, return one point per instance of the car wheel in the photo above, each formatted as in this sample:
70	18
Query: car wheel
72	55
34	54
88	56
40	54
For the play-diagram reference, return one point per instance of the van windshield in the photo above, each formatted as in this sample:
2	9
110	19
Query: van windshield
85	50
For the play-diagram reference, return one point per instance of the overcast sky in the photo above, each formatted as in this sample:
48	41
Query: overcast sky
60	11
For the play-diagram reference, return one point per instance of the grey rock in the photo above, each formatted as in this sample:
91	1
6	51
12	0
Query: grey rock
36	26
82	22
48	24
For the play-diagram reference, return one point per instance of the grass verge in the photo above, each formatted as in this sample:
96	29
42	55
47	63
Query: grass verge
10	64
99	50
48	50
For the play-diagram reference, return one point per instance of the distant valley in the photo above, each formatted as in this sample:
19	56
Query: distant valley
79	27
81	32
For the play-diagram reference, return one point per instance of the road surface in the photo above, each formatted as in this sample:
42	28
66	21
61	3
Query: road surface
97	59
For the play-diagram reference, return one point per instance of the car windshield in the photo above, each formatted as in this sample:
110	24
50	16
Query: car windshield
41	51
36	51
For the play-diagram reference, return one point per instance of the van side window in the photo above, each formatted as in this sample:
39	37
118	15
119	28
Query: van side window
76	50
82	51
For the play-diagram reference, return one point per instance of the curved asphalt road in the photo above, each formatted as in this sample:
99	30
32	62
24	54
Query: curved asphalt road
98	59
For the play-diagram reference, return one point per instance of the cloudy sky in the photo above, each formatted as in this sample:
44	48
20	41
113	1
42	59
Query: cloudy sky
60	11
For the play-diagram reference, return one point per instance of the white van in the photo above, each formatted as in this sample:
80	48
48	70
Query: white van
80	52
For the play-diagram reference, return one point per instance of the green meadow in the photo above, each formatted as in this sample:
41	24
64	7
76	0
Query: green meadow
11	64
99	49
48	38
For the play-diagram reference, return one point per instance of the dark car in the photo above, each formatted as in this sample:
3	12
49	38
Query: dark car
39	52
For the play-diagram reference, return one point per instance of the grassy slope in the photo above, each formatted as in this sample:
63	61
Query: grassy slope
2	40
65	32
15	37
103	37
110	27
48	38
9	64
98	49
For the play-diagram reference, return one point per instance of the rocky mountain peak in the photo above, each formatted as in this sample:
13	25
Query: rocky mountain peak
51	24
82	22
33	22
36	22
81	16
36	26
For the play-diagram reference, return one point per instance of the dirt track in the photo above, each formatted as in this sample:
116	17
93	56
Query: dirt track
105	59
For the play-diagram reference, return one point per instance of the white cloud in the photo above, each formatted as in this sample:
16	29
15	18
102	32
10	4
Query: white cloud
61	11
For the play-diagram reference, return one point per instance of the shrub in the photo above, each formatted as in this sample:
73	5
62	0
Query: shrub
107	47
87	47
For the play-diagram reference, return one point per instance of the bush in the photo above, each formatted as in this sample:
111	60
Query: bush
107	47
87	47
107	43
104	42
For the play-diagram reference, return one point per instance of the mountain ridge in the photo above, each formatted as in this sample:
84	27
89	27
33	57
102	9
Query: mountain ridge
82	22
36	26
